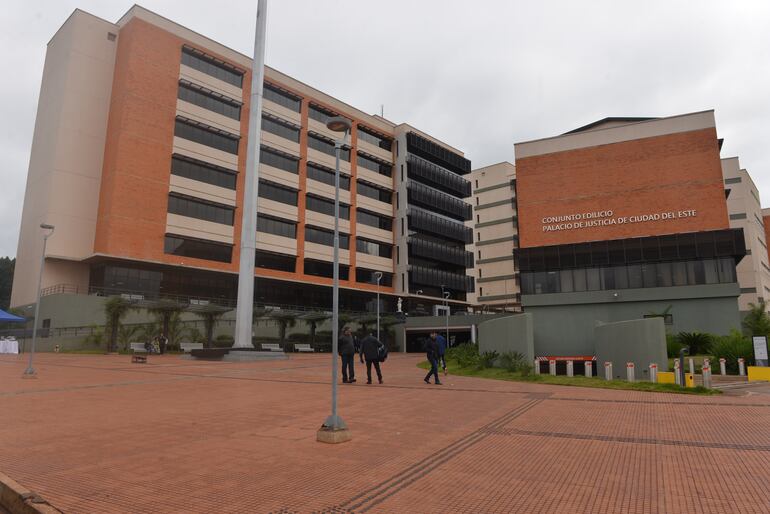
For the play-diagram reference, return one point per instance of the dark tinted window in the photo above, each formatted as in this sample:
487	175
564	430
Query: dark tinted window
374	220
276	226
198	249
212	66
374	248
376	193
325	175
209	100
206	135
374	139
325	237
272	191
283	98
325	269
374	165
367	276
318	113
202	171
276	261
280	129
200	209
278	160
325	206
326	146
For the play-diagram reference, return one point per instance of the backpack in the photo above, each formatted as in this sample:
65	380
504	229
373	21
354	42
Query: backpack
382	353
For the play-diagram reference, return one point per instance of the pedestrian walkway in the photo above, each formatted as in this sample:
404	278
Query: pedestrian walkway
95	433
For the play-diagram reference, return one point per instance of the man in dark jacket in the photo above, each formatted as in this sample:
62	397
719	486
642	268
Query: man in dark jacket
347	349
370	349
432	352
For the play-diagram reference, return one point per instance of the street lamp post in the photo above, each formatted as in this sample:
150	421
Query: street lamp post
334	429
378	277
446	295
30	371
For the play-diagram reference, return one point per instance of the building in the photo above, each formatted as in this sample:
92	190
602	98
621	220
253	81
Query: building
745	212
625	219
138	159
496	237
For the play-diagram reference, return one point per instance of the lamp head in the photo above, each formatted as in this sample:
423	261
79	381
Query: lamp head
378	276
338	124
46	226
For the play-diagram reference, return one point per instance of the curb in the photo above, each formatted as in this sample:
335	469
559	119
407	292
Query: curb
17	499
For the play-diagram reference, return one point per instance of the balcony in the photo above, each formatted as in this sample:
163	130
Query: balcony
438	278
434	251
435	176
437	153
424	221
434	199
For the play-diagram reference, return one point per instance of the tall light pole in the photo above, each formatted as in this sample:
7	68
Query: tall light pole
47	232
378	277
446	295
334	429
244	310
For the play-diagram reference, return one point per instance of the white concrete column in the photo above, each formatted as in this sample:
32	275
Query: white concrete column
589	369
654	373
570	369
552	367
722	367
706	370
630	371
537	367
742	367
691	362
677	374
608	371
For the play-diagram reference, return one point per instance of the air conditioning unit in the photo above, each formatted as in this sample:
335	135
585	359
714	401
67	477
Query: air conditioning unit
441	310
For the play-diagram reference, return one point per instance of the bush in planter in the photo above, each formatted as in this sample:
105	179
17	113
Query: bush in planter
699	342
466	355
223	341
732	347
488	359
511	361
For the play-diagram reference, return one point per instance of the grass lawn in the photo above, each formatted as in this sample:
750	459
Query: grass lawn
579	381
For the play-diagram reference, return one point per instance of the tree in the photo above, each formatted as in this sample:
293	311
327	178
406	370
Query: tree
165	310
115	309
757	322
128	333
7	266
285	319
210	314
364	320
312	319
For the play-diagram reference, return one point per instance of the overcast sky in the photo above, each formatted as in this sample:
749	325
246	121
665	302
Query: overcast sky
478	75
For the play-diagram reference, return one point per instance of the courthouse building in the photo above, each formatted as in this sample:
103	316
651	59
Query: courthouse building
138	159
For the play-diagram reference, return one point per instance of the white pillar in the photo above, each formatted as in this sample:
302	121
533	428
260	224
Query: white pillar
741	367
706	370
692	366
589	369
537	367
473	334
570	369
677	374
654	373
608	371
722	367
630	371
552	367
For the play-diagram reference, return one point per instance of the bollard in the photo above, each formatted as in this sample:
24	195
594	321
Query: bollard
630	371
677	374
692	365
552	367
570	369
589	369
537	367
722	367
607	371
741	367
654	373
706	370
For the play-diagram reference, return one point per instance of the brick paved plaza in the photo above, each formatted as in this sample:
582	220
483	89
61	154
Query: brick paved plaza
97	434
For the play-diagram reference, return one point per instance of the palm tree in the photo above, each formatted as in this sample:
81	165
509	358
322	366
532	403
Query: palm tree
285	319
757	322
127	333
365	320
164	311
210	314
115	309
312	319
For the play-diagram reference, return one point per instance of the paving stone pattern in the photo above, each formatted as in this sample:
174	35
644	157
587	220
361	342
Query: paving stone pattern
98	434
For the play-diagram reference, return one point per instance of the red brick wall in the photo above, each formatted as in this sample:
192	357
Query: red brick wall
663	174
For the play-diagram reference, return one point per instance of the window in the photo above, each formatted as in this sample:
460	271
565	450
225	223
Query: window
273	191
325	175
371	164
324	206
325	269
325	237
383	195
326	146
738	216
270	157
186	247
207	99
318	113
194	169
374	139
276	261
280	128
374	220
212	66
205	135
367	276
374	248
276	226
200	209
283	98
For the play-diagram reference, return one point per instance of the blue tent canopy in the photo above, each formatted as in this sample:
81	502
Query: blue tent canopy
10	318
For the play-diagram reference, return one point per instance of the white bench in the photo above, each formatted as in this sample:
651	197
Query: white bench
273	347
187	347
137	348
303	347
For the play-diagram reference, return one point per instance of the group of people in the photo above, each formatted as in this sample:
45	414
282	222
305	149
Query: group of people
373	352
157	345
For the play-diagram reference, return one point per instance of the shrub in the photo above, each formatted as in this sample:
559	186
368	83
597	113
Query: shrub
488	359
223	341
732	347
466	355
511	361
672	345
526	369
699	342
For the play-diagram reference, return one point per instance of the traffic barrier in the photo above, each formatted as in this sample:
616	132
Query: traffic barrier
742	367
759	374
706	371
552	367
570	369
654	373
608	371
722	367
589	369
691	363
630	371
667	377
677	373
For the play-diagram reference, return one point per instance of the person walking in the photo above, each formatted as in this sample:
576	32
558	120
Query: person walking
370	350
431	351
347	347
162	342
442	344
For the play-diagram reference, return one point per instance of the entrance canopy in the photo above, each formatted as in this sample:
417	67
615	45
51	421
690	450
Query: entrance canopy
6	317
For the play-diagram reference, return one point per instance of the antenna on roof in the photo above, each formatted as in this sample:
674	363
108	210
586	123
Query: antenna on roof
382	110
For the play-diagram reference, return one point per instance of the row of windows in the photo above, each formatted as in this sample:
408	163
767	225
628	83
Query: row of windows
322	145
278	193
275	261
374	220
209	100
186	247
282	98
212	66
278	160
436	153
325	175
372	138
325	269
436	176
368	276
194	169
632	276
276	226
374	248
325	237
280	129
383	195
370	164
325	206
206	135
422	220
318	113
436	200
200	209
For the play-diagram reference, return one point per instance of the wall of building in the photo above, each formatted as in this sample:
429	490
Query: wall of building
641	341
508	334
